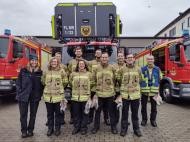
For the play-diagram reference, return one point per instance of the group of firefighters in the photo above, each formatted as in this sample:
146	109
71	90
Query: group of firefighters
95	86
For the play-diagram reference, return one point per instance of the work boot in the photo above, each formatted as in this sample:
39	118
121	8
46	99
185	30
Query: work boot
123	132
138	133
143	122
49	132
24	134
114	130
30	134
57	132
107	122
153	123
83	132
94	130
75	131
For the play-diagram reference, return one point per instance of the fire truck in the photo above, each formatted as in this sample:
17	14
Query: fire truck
173	58
89	25
14	54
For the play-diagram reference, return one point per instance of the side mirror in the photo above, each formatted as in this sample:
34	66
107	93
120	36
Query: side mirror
172	58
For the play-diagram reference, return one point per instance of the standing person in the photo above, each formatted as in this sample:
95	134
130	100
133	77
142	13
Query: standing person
54	79
129	80
151	76
59	57
104	77
120	64
29	91
81	83
93	66
71	68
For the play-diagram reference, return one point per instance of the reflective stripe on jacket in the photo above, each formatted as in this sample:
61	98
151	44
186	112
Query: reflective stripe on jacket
129	80
150	82
55	82
105	81
81	83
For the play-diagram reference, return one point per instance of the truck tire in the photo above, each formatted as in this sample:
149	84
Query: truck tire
167	93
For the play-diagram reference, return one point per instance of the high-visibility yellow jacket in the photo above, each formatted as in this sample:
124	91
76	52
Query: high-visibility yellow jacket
117	67
129	81
81	83
104	78
150	80
93	65
54	81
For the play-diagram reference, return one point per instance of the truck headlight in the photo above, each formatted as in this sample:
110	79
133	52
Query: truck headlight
186	89
5	82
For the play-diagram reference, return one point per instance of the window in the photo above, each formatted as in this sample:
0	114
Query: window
33	51
17	50
159	57
188	22
172	32
182	25
165	35
4	43
174	52
27	52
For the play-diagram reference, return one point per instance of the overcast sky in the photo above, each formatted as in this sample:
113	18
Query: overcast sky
139	17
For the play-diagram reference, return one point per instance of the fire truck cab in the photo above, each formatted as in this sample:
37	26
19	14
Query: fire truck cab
14	55
173	58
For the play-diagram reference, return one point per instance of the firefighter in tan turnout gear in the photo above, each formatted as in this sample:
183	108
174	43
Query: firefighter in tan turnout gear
59	57
104	77
93	65
71	68
54	79
120	63
129	78
81	83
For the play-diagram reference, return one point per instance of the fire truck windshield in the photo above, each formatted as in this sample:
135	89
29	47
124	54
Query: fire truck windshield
187	52
3	47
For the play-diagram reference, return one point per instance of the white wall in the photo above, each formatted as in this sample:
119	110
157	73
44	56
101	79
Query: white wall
178	27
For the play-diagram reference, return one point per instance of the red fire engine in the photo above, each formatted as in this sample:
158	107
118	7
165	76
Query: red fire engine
14	54
173	58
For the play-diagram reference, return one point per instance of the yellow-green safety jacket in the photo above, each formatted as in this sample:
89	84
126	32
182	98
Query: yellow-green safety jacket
117	67
81	83
104	78
55	81
150	80
93	65
129	81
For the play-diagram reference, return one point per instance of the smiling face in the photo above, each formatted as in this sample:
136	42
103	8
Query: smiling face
98	53
58	56
54	63
78	52
33	63
130	59
150	60
81	65
104	58
120	57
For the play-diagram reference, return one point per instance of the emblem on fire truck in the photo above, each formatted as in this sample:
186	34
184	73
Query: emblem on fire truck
173	71
85	30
